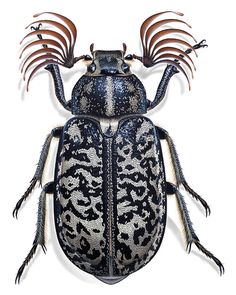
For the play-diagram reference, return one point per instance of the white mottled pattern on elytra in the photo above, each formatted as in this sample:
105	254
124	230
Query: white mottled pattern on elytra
82	161
94	159
75	134
140	151
145	143
143	130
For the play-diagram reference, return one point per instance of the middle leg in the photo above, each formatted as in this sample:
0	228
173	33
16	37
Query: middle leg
178	169
55	133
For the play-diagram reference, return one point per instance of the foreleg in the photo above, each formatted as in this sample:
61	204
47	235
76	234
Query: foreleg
169	72
56	75
58	85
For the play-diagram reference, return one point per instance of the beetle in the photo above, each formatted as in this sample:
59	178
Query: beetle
109	188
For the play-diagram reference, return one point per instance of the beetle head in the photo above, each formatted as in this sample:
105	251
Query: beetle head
107	63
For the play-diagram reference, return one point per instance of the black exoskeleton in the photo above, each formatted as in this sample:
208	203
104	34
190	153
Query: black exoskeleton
110	190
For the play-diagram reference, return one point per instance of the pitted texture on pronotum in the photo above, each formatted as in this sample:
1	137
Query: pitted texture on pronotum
108	96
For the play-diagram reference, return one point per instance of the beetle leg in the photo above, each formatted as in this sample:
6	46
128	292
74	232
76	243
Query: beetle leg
178	170
58	85
40	232
191	236
39	169
170	71
200	44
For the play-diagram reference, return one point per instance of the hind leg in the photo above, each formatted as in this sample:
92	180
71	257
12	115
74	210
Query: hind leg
190	234
40	232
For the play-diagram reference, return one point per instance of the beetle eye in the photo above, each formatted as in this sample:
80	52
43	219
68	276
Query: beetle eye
125	68
91	68
129	57
87	57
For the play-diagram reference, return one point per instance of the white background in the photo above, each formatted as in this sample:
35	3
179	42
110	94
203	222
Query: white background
201	121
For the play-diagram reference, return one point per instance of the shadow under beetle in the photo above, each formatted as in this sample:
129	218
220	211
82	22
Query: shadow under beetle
109	186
